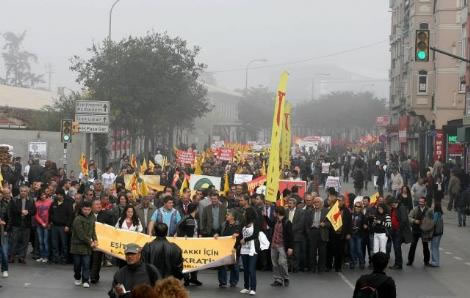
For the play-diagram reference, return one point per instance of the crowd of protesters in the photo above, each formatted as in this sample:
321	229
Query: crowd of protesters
56	213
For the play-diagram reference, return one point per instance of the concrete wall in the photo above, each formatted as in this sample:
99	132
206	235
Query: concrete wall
20	139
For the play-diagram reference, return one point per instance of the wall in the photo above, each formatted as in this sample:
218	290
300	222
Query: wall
20	139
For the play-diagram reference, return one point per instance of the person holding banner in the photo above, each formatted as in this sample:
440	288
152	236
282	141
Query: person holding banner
230	228
188	228
249	251
167	215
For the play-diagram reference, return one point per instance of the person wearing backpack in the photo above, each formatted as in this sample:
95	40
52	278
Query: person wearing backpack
377	284
135	273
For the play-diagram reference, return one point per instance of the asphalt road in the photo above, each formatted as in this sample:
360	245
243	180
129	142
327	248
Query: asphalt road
452	279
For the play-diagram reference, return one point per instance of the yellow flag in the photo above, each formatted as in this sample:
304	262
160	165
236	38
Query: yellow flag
226	185
373	198
143	166
334	216
286	136
1	181
133	162
151	165
263	169
184	185
273	174
83	164
142	190
197	167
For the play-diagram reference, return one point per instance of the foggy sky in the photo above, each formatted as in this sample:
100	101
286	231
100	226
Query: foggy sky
229	32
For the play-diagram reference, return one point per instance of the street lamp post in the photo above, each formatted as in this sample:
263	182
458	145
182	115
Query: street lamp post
110	19
246	70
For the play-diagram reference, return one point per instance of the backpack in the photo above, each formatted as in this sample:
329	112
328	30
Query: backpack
370	291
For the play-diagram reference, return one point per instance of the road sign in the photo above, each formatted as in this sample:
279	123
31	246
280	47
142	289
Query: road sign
92	107
92	119
93	128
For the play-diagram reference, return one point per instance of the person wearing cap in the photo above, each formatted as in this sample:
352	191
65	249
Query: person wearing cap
188	228
135	273
61	215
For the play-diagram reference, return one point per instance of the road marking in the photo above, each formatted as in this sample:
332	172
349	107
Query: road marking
448	253
346	280
468	263
458	258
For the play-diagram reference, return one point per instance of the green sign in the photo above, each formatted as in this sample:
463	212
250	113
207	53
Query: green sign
452	139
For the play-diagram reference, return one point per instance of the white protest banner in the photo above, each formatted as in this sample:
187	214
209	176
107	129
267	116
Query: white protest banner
242	178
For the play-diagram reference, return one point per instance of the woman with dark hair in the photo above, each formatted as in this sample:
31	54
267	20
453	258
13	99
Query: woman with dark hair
122	202
437	234
129	220
404	197
381	226
249	251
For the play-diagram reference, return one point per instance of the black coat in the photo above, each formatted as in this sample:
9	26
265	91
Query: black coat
298	224
308	220
14	213
130	277
385	285
166	256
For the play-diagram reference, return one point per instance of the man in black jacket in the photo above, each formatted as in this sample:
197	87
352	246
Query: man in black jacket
61	215
105	217
20	213
339	238
281	247
376	284
166	256
317	230
135	273
296	217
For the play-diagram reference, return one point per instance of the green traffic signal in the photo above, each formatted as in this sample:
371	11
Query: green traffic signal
421	55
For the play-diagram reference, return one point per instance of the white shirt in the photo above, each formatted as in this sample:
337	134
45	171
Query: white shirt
249	247
325	168
291	215
108	180
124	226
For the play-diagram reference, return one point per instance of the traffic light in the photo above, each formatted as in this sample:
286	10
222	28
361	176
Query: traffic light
75	127
66	131
422	46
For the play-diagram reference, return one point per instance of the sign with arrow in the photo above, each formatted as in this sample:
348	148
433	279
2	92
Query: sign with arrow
92	107
92	119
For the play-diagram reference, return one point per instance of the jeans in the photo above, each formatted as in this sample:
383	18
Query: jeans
234	274
279	259
380	242
81	267
355	250
435	243
43	236
368	246
20	240
96	260
461	216
4	252
59	243
249	271
396	241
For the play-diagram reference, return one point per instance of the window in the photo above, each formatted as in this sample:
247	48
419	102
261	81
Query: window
422	82
462	85
424	26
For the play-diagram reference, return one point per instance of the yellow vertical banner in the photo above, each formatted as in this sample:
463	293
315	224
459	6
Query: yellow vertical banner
272	183
286	136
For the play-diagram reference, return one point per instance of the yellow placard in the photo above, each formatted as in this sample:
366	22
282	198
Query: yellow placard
198	253
151	181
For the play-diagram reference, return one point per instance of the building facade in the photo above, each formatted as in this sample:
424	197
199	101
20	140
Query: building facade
424	96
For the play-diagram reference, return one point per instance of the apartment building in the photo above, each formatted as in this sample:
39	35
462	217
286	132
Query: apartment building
424	96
